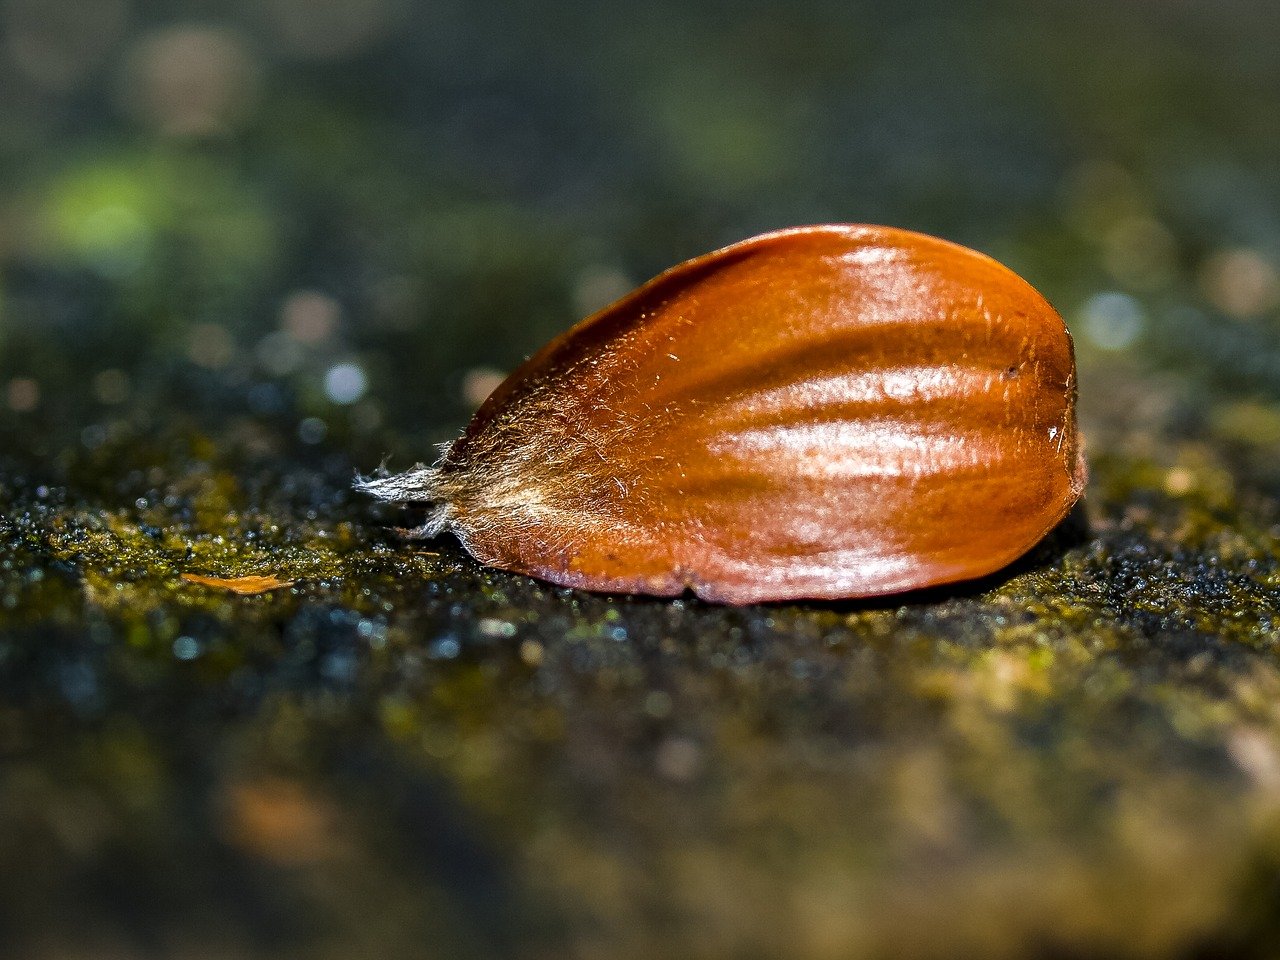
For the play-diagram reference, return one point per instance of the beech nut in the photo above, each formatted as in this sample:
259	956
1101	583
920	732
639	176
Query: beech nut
820	412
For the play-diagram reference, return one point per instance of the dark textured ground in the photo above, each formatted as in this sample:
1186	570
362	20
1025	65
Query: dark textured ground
223	295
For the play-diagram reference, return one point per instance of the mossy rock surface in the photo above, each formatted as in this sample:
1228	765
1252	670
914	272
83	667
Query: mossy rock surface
241	717
1078	755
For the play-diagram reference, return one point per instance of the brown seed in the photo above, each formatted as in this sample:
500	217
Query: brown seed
822	412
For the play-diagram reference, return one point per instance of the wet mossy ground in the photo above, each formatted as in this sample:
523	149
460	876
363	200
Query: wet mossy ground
224	291
1079	756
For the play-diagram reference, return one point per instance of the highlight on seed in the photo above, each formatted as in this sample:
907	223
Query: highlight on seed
828	411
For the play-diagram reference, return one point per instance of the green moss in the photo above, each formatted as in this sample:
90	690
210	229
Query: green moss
1077	757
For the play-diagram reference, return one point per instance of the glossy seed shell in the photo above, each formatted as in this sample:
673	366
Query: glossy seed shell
821	412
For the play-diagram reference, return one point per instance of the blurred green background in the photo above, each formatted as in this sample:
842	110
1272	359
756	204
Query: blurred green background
352	214
247	248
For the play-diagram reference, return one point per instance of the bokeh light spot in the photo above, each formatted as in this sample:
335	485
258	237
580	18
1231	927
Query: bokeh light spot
479	382
22	394
1113	320
310	317
1240	282
191	80
345	383
210	345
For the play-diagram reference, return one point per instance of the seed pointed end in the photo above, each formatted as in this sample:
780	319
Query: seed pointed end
418	484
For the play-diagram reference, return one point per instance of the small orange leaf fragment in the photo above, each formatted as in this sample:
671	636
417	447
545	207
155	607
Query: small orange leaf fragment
245	586
281	821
